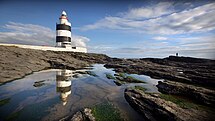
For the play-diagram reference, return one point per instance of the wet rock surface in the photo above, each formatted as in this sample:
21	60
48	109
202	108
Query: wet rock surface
202	95
180	69
17	62
83	115
39	83
100	112
192	78
153	108
122	78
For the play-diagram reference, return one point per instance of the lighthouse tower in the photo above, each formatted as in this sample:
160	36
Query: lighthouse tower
63	32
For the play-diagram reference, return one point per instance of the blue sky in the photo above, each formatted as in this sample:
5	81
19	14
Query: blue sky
118	28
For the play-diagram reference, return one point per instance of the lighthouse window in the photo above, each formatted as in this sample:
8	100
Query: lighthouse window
73	47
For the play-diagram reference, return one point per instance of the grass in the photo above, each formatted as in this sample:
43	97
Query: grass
140	88
106	112
13	116
183	103
4	101
109	76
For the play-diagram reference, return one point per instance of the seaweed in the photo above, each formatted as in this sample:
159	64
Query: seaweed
4	101
110	76
13	116
140	88
106	112
183	103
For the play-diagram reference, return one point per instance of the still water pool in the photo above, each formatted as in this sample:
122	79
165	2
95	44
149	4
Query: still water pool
55	94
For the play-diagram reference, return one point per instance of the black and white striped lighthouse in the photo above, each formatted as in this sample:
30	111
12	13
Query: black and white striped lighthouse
63	32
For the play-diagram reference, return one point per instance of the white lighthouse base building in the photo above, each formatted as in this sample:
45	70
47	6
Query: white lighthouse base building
72	49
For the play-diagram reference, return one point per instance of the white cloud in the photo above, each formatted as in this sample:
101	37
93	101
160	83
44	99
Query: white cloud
165	51
162	20
160	38
198	46
79	41
101	48
160	9
19	33
197	19
27	34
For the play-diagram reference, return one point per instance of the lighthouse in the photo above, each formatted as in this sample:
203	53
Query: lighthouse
63	32
64	40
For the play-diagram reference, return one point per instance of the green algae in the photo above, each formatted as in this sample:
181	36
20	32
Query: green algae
106	112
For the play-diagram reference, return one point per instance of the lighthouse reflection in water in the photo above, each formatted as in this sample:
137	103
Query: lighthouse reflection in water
63	84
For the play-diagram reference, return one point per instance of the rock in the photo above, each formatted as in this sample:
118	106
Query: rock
17	62
110	76
130	79
91	73
187	59
84	115
202	95
88	114
39	83
181	69
114	66
78	117
121	78
81	72
154	108
118	83
75	76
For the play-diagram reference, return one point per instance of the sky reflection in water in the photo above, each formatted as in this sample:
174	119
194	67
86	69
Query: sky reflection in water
58	94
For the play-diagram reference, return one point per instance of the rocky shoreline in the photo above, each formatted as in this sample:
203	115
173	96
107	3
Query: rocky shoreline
17	62
180	69
154	108
201	95
184	77
192	78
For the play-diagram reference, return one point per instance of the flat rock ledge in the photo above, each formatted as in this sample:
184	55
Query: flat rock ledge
199	94
83	115
154	108
180	69
17	62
